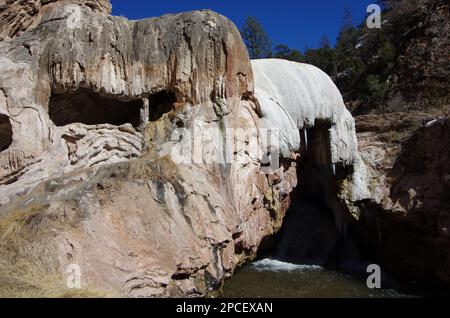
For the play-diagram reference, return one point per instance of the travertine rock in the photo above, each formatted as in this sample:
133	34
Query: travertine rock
197	57
295	97
17	16
100	112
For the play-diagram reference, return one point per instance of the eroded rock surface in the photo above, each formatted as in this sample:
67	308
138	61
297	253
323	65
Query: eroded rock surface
18	16
302	105
297	96
195	57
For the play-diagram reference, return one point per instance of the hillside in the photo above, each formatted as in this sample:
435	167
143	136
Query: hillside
402	67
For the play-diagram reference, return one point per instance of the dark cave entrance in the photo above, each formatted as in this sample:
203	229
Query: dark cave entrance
6	133
160	104
317	230
89	108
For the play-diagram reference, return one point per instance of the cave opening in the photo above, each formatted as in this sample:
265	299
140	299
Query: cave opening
160	104
90	108
6	133
316	229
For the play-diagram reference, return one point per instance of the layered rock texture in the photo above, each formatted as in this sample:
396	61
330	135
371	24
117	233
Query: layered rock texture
19	16
79	66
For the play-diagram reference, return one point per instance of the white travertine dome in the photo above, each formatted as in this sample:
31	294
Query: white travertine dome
293	96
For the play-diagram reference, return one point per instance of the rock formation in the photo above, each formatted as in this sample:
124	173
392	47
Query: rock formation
408	229
18	16
294	97
96	121
143	153
78	66
303	105
101	123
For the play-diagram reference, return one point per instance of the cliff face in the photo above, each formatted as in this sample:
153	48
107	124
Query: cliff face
143	153
400	67
75	58
421	74
407	158
409	229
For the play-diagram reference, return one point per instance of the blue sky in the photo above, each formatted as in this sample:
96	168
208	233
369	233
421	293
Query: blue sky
297	23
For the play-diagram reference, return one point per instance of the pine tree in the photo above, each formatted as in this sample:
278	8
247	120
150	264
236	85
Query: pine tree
347	19
324	42
258	42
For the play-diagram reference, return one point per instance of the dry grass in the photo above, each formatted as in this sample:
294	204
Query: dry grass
28	268
30	279
146	169
140	170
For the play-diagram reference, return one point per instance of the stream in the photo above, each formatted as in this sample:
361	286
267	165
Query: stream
269	278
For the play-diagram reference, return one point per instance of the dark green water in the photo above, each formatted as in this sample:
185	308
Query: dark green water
273	279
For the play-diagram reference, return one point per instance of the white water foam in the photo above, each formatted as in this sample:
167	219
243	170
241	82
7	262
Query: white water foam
271	265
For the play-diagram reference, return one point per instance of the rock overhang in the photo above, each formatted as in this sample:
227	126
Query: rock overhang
198	57
191	53
294	97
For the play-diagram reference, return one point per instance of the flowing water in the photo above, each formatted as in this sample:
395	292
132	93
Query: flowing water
270	278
